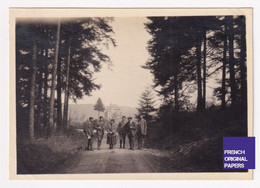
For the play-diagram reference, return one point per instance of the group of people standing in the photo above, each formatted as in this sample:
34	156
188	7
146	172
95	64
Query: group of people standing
90	129
125	128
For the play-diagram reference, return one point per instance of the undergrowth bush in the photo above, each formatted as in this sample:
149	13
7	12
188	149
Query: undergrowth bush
195	143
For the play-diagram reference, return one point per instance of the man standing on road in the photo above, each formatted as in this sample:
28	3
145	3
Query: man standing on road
100	131
141	131
121	131
88	131
131	128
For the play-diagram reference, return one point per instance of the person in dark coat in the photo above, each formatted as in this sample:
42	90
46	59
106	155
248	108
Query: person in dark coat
141	131
121	131
99	127
131	130
88	131
111	134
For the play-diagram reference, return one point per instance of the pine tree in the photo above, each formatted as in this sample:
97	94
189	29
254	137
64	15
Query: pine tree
82	56
146	105
54	75
66	98
39	90
176	56
99	106
231	60
32	94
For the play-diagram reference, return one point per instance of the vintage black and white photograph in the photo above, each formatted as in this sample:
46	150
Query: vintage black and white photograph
129	94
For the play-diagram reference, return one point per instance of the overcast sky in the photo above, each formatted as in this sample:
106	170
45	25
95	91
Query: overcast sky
124	84
126	81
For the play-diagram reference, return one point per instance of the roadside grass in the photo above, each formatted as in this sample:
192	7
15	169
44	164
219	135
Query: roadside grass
46	155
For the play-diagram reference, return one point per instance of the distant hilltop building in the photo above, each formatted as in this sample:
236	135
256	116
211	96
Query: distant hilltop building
113	112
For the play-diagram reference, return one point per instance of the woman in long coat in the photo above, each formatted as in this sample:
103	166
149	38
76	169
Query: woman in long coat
111	134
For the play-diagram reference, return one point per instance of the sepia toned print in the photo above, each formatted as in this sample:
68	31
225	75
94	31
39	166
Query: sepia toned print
151	93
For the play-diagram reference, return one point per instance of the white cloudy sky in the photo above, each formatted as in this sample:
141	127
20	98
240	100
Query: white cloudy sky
126	81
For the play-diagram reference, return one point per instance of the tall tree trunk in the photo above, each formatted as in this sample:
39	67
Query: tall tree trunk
32	92
46	126
170	121
59	109
204	69
198	56
243	68
54	74
223	88
231	62
66	98
39	97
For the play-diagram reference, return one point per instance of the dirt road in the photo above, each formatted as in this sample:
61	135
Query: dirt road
113	161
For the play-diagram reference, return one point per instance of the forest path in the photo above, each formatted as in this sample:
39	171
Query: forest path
114	161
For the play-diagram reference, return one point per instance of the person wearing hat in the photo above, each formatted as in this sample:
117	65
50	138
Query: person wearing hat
88	132
100	131
121	131
111	134
131	128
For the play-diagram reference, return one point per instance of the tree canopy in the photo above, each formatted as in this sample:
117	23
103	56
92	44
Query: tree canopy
186	51
63	57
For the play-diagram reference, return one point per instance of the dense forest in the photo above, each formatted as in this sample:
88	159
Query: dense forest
186	53
187	56
55	58
58	58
